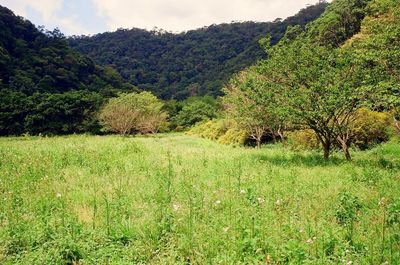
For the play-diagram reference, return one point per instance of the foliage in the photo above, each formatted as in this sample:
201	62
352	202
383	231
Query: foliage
45	86
192	63
370	128
133	112
221	130
303	139
194	110
341	20
320	81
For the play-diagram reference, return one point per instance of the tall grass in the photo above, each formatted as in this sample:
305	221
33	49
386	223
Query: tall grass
175	199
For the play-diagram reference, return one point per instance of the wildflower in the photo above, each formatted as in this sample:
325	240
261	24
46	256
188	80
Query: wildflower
382	202
226	229
349	262
242	191
260	200
217	202
175	207
301	230
58	195
309	241
278	202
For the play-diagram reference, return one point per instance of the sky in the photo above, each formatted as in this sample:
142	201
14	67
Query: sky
88	17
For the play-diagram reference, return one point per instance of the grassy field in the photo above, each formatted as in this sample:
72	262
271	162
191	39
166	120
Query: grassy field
175	199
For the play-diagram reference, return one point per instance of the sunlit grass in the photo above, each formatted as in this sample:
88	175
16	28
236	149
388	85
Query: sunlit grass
177	199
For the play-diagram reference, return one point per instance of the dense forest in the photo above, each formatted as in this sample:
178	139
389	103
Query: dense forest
45	86
193	63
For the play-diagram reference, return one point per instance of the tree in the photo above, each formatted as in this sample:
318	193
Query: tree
133	112
315	84
196	109
70	112
249	102
118	117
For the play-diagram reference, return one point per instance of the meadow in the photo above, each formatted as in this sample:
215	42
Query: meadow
177	199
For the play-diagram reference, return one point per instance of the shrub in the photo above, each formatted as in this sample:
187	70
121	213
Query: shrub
370	128
133	112
303	139
224	131
234	136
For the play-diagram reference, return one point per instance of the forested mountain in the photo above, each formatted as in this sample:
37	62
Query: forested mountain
45	86
197	62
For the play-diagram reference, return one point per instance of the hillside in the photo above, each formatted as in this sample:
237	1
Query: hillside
45	86
197	62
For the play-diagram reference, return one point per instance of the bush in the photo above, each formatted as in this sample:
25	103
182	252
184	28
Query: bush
303	139
234	136
370	128
224	131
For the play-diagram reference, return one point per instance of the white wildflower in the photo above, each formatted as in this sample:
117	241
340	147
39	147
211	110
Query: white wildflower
176	207
242	191
58	195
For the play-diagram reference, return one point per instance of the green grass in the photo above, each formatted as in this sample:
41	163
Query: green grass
174	199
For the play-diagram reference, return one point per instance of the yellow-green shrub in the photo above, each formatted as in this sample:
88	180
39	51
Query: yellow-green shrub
234	136
303	139
370	128
224	131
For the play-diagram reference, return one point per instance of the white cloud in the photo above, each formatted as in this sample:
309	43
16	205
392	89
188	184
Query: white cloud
179	15
70	26
47	9
173	15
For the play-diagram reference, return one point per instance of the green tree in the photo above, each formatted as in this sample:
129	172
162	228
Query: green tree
196	109
315	84
249	101
133	112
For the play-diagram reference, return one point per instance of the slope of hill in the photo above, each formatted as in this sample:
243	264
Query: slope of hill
45	86
197	62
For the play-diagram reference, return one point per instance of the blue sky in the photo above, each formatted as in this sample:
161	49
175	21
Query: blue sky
76	17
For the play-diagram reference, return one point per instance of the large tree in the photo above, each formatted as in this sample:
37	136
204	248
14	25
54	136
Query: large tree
315	84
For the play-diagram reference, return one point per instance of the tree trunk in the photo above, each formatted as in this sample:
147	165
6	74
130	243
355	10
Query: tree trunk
397	125
345	147
258	141
282	136
346	152
327	150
